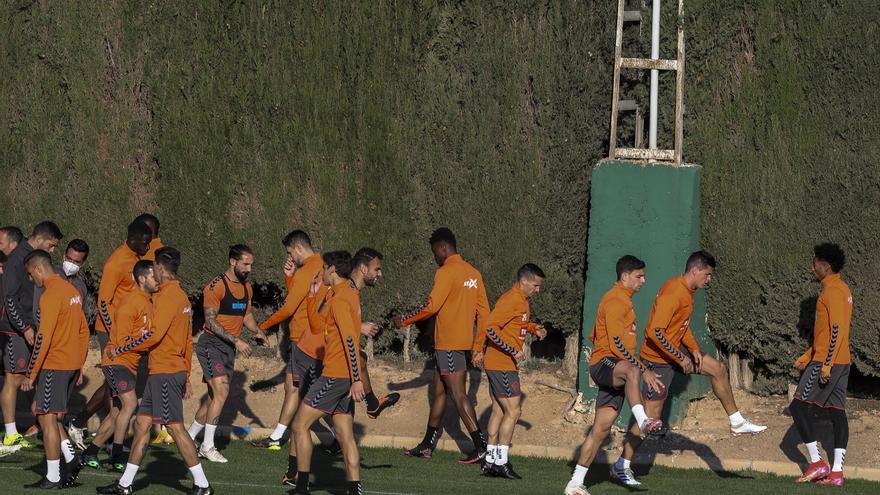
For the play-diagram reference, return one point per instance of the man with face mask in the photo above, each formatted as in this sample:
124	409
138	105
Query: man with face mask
227	300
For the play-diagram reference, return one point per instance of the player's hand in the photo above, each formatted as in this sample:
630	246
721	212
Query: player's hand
29	336
801	364
27	385
698	361
243	348
519	356
687	366
187	391
397	321
289	267
369	329
652	380
357	391
825	375
315	285
477	359
79	379
111	351
261	338
541	332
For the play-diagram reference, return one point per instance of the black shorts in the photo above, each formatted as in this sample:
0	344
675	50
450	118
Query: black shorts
504	384
291	360
103	339
449	362
53	391
216	357
831	394
16	353
163	398
306	369
330	395
602	374
120	379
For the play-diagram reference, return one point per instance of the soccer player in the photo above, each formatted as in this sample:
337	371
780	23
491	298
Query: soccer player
19	315
303	265
669	348
506	331
614	367
458	298
10	237
340	384
227	308
132	320
155	243
60	349
825	366
116	283
169	344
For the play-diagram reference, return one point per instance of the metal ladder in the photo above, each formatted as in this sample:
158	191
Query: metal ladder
677	64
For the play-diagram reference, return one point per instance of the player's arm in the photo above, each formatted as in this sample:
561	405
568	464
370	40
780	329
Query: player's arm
804	359
13	279
161	323
616	331
315	303
503	314
50	307
839	329
83	339
348	333
110	280
657	327
436	299
188	349
296	294
251	324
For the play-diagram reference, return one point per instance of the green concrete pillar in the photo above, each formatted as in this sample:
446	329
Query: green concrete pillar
651	212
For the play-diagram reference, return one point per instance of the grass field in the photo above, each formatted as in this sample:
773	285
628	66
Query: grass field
386	471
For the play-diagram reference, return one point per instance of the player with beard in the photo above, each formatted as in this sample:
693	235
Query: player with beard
227	308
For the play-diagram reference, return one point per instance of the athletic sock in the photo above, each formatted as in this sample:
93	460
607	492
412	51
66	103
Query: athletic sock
10	429
128	476
813	450
198	475
736	419
638	411
501	457
431	436
53	470
478	439
278	433
355	488
622	463
208	441
93	449
67	450
195	428
291	464
839	456
117	451
372	401
579	475
302	479
490	454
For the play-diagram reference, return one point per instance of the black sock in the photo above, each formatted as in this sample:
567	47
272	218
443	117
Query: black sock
372	401
431	436
291	464
355	488
117	451
477	438
93	449
302	480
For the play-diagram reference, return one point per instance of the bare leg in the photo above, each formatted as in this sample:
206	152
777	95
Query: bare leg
717	373
455	386
605	417
302	424
344	425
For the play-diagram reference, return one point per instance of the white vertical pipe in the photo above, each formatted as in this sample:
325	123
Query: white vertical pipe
655	54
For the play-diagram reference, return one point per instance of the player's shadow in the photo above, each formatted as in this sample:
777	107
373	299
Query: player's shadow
822	428
236	403
164	468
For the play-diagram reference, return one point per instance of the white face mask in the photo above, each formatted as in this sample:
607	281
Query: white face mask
70	268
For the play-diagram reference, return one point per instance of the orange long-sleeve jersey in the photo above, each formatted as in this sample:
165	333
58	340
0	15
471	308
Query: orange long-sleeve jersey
318	307
214	294
62	339
669	324
155	245
342	358
169	341
297	291
117	281
614	332
505	330
831	330
458	298
132	321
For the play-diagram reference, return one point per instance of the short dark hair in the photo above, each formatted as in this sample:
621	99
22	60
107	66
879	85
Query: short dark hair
38	256
78	245
47	230
13	233
364	256
168	258
529	271
700	259
142	269
832	254
297	237
150	220
341	260
236	251
139	229
628	263
444	235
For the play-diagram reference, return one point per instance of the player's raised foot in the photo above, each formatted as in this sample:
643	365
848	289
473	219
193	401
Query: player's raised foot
651	426
420	450
34	430
16	439
267	443
334	448
162	438
6	450
198	490
77	436
747	428
44	484
212	454
114	489
624	476
384	403
474	457
815	472
288	479
573	488
835	478
505	471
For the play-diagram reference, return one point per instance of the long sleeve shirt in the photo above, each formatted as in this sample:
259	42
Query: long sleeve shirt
18	293
614	332
117	282
131	323
62	338
831	331
342	358
505	331
459	300
669	324
318	307
294	304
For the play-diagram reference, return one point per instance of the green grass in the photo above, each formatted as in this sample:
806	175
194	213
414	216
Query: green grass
386	471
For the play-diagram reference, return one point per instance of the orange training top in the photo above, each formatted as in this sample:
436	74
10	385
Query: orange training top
62	339
318	307
669	324
117	281
342	344
614	333
506	330
297	291
132	321
458	298
155	244
833	309
231	308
